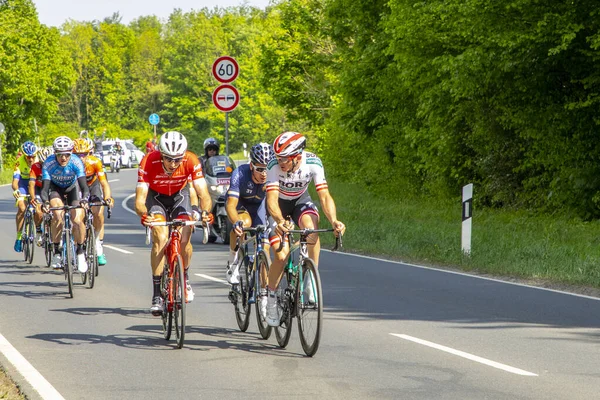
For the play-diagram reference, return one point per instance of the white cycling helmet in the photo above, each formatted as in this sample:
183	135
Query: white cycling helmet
289	144
172	144
63	144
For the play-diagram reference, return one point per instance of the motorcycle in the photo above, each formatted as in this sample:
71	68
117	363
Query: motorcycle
115	162
218	171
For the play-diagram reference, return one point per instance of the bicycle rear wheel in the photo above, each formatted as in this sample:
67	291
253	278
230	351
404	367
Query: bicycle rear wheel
92	259
68	260
262	271
242	308
167	314
179	301
285	298
30	239
48	247
310	308
24	236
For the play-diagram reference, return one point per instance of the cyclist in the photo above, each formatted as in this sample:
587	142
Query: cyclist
150	145
63	177
20	185
288	178
245	203
163	193
35	189
99	189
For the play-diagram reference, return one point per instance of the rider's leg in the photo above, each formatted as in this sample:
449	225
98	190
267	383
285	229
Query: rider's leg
311	221
21	206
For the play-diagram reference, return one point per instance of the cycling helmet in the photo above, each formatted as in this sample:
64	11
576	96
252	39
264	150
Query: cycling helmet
289	144
172	144
44	152
261	153
83	146
63	144
29	148
211	142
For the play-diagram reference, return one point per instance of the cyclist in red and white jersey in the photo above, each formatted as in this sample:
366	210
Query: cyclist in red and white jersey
163	194
288	177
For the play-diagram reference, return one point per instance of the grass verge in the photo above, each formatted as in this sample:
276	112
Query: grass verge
512	244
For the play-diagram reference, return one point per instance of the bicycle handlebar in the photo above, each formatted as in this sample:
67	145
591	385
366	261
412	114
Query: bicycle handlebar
256	229
177	223
100	204
305	232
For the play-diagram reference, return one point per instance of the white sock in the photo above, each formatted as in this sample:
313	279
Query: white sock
232	255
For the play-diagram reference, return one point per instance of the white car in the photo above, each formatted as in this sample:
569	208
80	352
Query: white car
131	154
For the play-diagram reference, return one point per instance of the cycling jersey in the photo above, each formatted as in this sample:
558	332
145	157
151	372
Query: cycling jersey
36	174
22	169
94	170
292	186
243	187
152	175
66	176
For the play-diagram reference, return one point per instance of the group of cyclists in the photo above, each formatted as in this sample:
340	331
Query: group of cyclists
66	173
272	190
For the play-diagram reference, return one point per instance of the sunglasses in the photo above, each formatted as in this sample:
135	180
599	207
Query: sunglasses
81	155
172	160
259	169
285	160
65	155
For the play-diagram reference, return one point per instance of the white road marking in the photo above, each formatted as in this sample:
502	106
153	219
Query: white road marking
210	278
124	204
39	383
113	180
468	356
117	249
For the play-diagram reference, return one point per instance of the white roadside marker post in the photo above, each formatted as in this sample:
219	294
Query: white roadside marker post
467	220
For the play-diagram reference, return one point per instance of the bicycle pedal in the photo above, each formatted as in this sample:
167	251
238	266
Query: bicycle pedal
232	297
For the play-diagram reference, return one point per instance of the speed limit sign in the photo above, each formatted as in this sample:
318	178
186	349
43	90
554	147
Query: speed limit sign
225	69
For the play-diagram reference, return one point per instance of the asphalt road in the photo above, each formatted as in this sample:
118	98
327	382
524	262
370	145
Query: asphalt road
390	331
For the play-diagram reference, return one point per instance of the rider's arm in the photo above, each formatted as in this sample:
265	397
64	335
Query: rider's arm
202	192
31	188
83	186
328	205
231	208
193	195
141	192
45	194
273	206
105	188
15	184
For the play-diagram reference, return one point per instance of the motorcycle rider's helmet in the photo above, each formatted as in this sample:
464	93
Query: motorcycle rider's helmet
29	148
63	144
211	143
261	153
83	146
289	144
44	153
172	144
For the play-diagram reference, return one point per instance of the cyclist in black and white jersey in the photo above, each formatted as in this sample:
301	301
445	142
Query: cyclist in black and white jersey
288	177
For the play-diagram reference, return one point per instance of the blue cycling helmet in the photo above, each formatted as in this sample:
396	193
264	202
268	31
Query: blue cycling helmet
261	153
29	148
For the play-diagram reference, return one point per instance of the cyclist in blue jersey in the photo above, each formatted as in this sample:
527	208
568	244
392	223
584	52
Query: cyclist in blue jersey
63	178
246	201
20	185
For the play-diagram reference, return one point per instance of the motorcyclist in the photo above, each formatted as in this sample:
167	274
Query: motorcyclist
211	148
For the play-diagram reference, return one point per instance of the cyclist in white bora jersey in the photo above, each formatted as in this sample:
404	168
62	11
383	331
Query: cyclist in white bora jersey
288	178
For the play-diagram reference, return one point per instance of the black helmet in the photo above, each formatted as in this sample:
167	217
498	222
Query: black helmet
211	143
261	153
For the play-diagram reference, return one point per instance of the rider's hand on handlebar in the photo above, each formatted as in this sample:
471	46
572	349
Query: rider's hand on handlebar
339	228
16	193
110	201
147	219
283	227
207	217
34	202
46	207
237	227
84	204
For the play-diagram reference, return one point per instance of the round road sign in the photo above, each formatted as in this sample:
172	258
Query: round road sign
225	69
154	119
226	98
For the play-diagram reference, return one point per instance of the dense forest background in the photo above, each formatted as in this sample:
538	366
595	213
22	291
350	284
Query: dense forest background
402	96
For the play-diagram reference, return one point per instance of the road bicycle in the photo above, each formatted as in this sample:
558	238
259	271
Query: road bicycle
173	283
47	238
253	269
68	262
90	244
28	231
299	293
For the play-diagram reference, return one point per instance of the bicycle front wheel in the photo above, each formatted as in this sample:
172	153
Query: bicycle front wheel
167	314
30	239
262	271
242	308
48	246
92	259
68	260
286	304
179	301
310	308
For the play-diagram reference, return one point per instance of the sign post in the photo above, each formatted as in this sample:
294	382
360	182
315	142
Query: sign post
467	218
226	97
154	119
